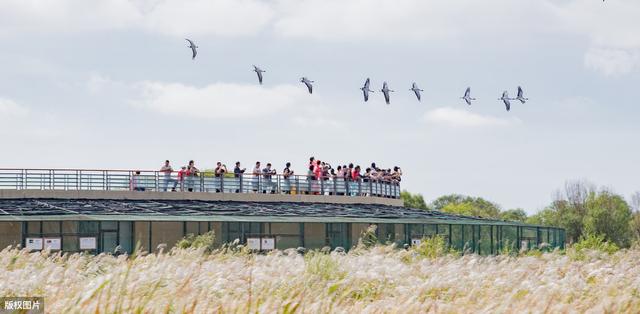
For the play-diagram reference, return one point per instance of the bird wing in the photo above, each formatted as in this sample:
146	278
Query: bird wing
366	83
195	52
468	101
259	76
365	92
309	86
520	92
414	85
467	93
417	92
386	96
507	104
190	42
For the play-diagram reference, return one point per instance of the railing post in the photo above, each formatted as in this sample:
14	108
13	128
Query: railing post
221	183
278	186
370	187
78	179
201	182
359	186
335	186
51	179
347	186
241	179
321	185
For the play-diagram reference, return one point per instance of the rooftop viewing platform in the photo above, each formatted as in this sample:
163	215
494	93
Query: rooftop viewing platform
202	185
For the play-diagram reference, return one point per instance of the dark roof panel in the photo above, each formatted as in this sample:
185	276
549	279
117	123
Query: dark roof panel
21	209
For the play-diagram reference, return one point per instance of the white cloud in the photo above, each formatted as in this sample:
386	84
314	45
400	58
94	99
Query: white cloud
19	122
10	109
204	17
462	118
412	20
219	100
169	17
612	62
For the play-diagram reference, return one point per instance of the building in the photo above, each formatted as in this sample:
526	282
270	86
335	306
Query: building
95	211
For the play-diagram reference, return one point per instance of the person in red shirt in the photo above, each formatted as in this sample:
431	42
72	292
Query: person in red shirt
355	175
181	174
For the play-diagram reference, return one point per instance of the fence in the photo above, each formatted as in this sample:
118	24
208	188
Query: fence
133	180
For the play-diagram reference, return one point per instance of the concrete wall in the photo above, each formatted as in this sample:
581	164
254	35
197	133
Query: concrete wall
201	196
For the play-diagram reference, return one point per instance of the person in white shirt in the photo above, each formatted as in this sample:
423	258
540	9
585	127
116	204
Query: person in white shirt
166	171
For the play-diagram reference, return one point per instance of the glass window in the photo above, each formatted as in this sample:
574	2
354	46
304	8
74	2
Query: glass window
192	227
430	230
484	243
69	227
70	243
456	237
88	227
204	227
125	236
33	227
109	241
51	227
109	225
416	231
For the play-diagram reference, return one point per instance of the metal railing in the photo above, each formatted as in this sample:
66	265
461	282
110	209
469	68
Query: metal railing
133	180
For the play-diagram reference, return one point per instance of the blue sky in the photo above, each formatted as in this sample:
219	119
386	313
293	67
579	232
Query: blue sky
111	84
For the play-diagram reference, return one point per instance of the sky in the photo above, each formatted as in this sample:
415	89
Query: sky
111	84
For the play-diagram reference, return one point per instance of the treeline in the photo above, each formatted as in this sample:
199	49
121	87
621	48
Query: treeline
580	208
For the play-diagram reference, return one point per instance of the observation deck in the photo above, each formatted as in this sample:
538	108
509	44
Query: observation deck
105	184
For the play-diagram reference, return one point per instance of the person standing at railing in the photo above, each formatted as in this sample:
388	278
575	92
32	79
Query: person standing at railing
237	173
219	175
310	179
192	174
268	183
181	174
256	177
135	182
286	175
166	171
355	181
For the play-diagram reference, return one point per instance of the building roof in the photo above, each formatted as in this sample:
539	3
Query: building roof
193	210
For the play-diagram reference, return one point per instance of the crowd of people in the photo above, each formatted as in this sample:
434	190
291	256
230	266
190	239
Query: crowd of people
318	172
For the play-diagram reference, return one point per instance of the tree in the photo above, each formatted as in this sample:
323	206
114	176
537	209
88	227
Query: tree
635	219
517	214
581	209
467	205
413	200
608	215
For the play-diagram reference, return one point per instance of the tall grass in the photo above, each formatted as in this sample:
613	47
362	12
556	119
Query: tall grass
376	280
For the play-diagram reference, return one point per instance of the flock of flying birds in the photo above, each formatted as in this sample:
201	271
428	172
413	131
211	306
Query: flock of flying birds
385	87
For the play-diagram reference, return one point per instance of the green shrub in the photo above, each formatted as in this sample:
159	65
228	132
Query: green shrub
205	241
591	242
433	247
595	243
368	238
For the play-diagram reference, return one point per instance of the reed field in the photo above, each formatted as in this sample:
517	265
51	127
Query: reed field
381	279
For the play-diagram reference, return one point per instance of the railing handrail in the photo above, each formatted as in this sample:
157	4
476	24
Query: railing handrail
207	181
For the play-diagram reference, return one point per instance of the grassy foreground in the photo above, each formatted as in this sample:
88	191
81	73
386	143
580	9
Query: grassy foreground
380	279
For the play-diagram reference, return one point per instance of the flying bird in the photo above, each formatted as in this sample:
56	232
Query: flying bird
193	48
521	95
467	96
307	82
416	90
259	72
506	100
365	90
385	91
